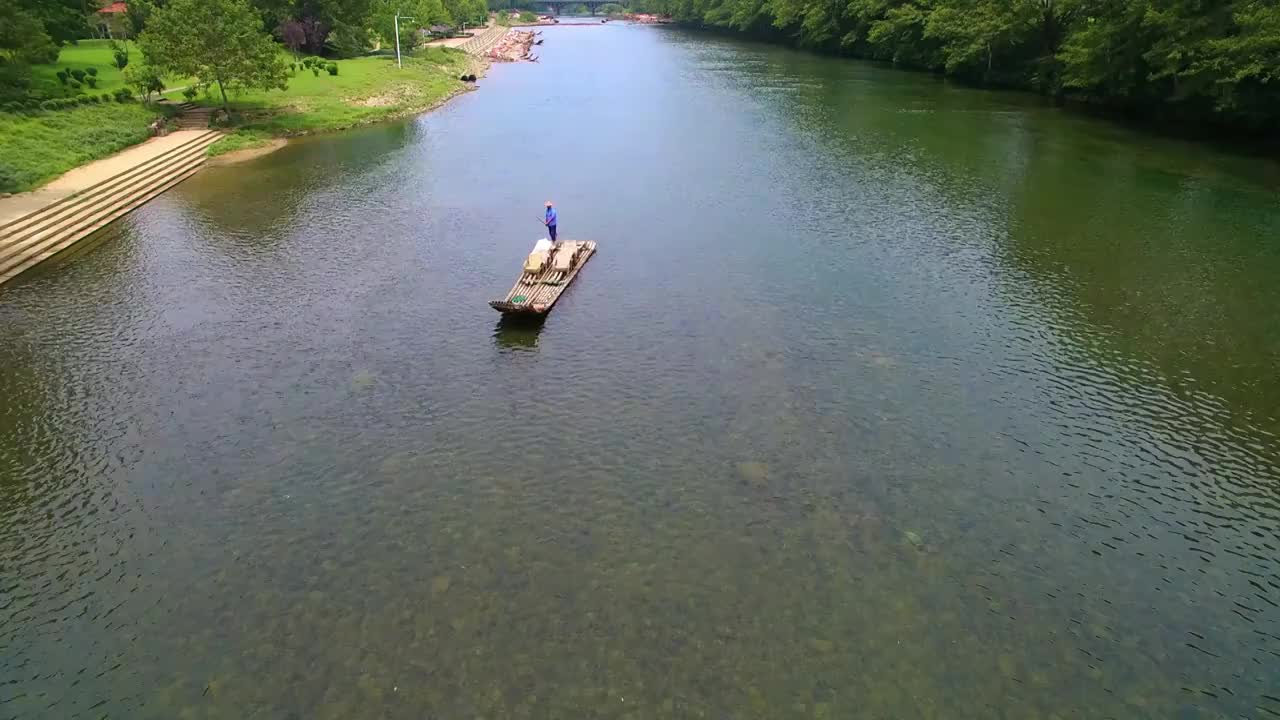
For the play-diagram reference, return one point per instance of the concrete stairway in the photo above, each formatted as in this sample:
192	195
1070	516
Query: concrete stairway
38	236
481	43
194	117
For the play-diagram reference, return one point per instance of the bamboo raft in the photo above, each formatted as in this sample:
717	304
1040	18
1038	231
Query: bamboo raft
535	293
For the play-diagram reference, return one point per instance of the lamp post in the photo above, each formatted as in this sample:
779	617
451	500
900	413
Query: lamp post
397	24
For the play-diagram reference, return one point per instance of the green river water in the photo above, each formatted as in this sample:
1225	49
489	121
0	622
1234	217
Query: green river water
882	398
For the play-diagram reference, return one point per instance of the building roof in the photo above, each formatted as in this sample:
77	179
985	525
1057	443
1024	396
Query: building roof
115	7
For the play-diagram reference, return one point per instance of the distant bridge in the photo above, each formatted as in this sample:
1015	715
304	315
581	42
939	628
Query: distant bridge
555	6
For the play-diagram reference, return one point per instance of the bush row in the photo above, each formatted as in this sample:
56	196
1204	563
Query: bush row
31	106
315	65
75	78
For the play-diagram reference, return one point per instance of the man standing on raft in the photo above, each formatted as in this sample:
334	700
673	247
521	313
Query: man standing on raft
550	221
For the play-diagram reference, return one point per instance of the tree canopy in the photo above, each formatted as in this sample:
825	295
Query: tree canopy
321	19
217	42
423	12
23	38
1218	58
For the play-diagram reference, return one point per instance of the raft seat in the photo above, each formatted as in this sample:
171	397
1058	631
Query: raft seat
565	256
536	261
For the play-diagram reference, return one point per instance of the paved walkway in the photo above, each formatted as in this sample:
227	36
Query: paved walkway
480	44
476	43
86	176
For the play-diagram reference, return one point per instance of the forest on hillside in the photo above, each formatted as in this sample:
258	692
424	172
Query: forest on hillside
1214	61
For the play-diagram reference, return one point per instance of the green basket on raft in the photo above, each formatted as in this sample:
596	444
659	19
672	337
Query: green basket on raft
518	299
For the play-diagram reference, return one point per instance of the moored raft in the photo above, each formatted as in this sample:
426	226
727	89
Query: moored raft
547	272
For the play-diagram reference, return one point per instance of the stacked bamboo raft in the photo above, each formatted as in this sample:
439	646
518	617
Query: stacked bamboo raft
547	272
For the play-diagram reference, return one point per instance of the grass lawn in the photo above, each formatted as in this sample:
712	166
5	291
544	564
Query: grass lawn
37	148
365	90
82	56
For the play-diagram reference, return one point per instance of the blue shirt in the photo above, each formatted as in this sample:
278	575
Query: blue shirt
551	216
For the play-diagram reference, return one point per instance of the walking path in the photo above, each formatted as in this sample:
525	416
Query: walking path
37	225
477	44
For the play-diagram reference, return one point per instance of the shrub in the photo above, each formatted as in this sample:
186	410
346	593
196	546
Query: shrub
78	75
123	95
63	76
315	71
74	84
91	81
50	105
105	97
93	71
145	79
95	99
47	55
120	54
332	68
190	93
84	99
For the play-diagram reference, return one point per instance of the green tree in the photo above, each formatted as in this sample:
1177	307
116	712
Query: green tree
424	13
137	13
63	20
974	32
471	12
120	54
217	42
145	79
1251	55
23	38
322	19
1104	54
1218	59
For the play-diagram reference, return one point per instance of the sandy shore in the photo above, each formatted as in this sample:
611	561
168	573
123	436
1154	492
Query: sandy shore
238	156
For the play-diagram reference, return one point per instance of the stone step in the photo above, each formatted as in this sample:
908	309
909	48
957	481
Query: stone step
54	243
41	244
77	227
20	226
37	234
11	271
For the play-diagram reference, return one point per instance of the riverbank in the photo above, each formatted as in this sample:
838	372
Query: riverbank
1056	54
365	90
38	147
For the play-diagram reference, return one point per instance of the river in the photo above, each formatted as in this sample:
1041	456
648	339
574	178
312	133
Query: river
882	398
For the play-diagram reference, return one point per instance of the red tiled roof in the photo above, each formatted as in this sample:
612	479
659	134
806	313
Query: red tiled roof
115	7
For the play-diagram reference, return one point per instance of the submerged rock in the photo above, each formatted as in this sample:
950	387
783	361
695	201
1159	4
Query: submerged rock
441	584
363	379
914	538
821	646
754	474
